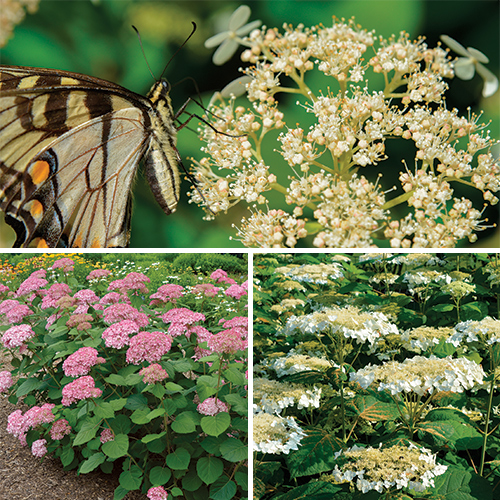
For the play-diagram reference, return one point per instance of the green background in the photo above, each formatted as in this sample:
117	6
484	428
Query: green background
96	38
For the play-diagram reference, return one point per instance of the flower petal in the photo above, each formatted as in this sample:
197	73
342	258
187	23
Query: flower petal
464	68
248	27
490	80
215	40
225	51
478	55
236	87
239	17
454	45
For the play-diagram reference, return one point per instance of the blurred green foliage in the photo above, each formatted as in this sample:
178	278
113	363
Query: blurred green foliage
96	38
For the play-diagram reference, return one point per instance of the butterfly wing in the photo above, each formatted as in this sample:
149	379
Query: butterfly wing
69	149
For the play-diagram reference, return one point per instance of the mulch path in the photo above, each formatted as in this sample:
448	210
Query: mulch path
25	477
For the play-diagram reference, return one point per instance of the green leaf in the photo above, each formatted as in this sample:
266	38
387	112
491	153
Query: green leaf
315	454
179	459
136	401
151	437
104	410
67	456
115	379
116	448
140	416
118	404
173	388
233	450
121	424
459	484
319	490
223	489
238	403
120	492
159	475
185	422
209	469
91	463
235	376
87	431
30	384
216	424
131	479
371	408
241	480
452	433
191	481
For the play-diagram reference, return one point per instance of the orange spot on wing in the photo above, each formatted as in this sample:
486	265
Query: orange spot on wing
96	243
36	209
78	241
40	171
42	243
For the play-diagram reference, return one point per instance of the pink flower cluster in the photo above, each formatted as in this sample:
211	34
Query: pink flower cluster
221	276
148	346
38	448
54	293
30	285
117	335
119	312
212	406
59	429
6	381
98	273
153	373
167	293
207	289
113	298
81	361
19	424
4	288
14	311
157	493
133	281
181	319
107	435
239	323
81	388
81	321
236	292
227	341
86	297
203	335
66	264
15	336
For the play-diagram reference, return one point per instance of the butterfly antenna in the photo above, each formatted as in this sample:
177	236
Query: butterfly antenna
144	53
177	51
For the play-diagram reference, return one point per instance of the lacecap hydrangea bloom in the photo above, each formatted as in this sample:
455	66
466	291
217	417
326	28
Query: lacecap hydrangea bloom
275	434
329	198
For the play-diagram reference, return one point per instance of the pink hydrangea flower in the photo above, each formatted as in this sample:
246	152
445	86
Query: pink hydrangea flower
81	388
18	426
6	381
30	285
113	298
66	264
239	323
218	275
181	319
54	293
236	292
119	312
153	373
59	429
98	273
38	415
15	336
203	335
227	341
148	346
157	493
86	297
117	335
38	448
212	406
17	313
133	281
39	273
167	293
7	305
107	435
4	288
81	361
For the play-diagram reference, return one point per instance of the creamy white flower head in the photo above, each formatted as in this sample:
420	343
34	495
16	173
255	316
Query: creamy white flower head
486	330
275	434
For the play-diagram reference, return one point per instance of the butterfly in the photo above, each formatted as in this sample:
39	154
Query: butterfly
70	146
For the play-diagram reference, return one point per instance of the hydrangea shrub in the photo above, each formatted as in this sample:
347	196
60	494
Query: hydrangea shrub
373	376
122	377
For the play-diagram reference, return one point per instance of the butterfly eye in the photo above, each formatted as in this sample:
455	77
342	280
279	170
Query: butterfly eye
165	86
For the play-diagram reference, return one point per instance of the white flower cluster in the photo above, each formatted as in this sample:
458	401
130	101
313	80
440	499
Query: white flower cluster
318	274
422	375
275	434
489	328
297	363
404	474
362	327
418	279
